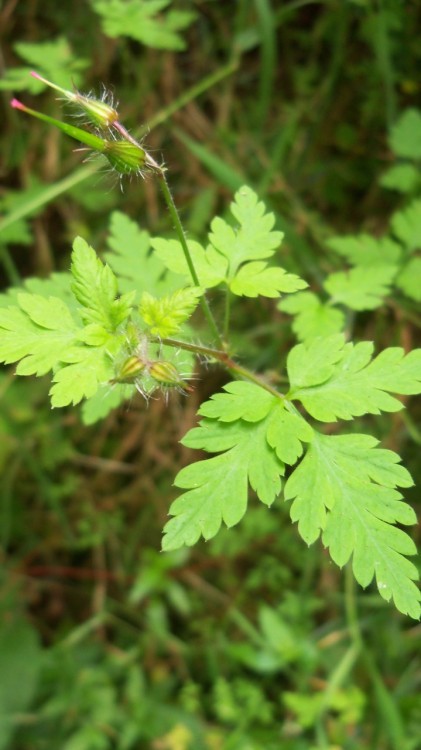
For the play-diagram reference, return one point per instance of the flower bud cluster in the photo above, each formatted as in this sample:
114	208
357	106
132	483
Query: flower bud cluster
163	372
125	155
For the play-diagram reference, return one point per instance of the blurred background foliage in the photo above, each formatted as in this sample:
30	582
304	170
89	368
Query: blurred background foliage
250	641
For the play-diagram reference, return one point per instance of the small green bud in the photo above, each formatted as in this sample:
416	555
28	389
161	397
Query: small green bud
125	157
100	112
166	374
102	115
131	368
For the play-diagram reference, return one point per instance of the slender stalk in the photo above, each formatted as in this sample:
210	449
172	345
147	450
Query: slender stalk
189	95
10	267
160	172
183	242
227	313
351	608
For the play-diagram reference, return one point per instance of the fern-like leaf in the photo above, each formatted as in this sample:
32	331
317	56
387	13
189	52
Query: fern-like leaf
255	436
95	287
131	259
344	489
337	380
39	333
361	288
165	316
312	317
217	487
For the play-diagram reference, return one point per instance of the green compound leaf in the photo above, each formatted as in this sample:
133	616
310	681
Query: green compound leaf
54	59
95	287
241	400
344	488
217	487
131	259
225	260
165	316
258	436
405	136
405	178
258	279
352	383
144	22
85	369
39	333
406	225
313	363
251	240
211	267
103	401
286	433
361	288
254	237
364	250
43	333
313	318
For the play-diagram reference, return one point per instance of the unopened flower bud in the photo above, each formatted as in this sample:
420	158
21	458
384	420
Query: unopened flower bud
131	368
102	115
166	374
99	111
125	157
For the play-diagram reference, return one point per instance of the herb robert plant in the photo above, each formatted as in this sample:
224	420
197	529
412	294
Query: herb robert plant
130	328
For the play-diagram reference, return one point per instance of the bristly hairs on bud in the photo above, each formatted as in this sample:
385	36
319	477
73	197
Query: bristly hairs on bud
124	153
127	157
102	113
148	374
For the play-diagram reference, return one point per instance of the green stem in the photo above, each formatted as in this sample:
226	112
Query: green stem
183	242
227	313
385	61
351	607
10	267
392	722
189	95
224	358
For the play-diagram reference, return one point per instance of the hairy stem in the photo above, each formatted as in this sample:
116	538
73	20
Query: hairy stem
175	216
183	242
224	358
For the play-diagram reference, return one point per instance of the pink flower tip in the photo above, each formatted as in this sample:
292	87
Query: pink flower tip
35	75
16	104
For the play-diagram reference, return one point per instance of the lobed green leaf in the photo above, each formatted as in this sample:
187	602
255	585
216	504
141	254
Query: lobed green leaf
256	437
253	239
165	316
131	259
217	487
312	317
211	267
144	22
351	384
361	288
85	369
95	287
405	178
406	226
314	362
241	400
39	333
344	489
258	279
408	279
364	250
405	136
